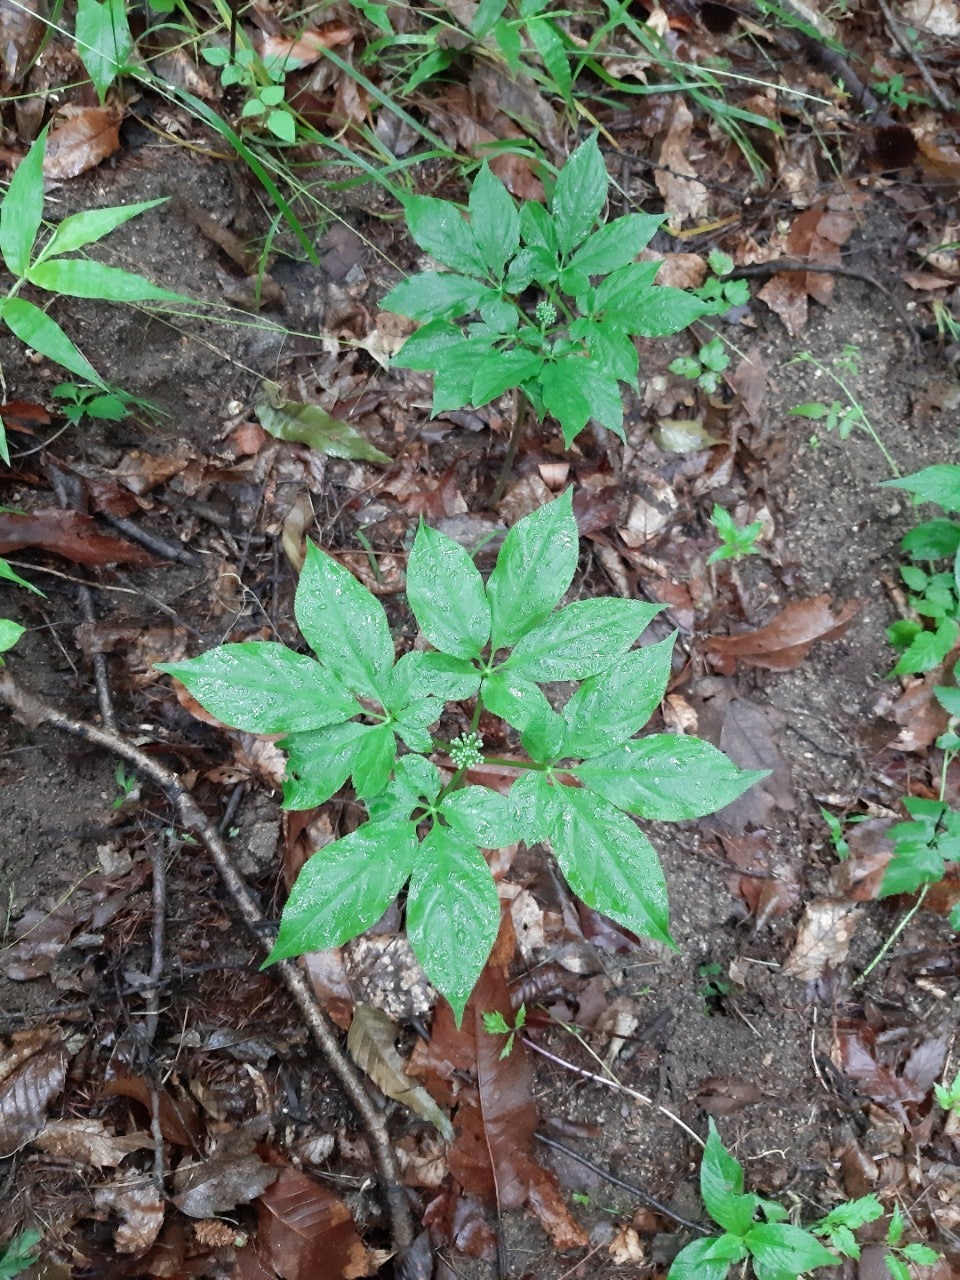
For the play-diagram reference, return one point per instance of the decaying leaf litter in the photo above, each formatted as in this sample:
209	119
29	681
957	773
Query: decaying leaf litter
177	1120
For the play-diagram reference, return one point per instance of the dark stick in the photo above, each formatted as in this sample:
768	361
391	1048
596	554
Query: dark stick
32	711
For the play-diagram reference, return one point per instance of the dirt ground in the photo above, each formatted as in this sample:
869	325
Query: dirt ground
721	1028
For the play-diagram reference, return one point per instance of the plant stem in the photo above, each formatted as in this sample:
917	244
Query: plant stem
521	408
892	939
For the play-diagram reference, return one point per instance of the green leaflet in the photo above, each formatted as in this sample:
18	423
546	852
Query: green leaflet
264	688
453	914
446	594
345	888
611	707
580	639
535	567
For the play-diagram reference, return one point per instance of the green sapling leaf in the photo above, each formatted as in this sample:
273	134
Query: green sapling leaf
447	595
494	221
608	862
579	195
375	757
453	914
319	763
343	623
104	41
10	633
22	209
515	699
482	816
441	230
611	707
535	567
262	687
615	245
90	225
345	888
575	390
940	484
580	640
432	295
721	1186
83	278
436	675
694	1261
35	328
667	777
501	370
781	1251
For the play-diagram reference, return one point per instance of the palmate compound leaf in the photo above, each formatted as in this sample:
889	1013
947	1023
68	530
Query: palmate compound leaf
446	594
667	777
535	567
453	914
608	862
343	623
262	687
346	887
580	640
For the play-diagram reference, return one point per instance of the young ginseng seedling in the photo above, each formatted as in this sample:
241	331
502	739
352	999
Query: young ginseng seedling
569	351
357	712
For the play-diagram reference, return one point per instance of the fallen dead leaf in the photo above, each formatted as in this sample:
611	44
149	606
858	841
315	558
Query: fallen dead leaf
21	30
32	1075
726	1095
786	640
69	534
81	138
306	48
306	1231
684	196
89	1142
140	1210
179	1117
233	1175
823	939
370	1042
626	1247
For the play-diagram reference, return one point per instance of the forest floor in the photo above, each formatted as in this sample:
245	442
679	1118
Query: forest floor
149	1121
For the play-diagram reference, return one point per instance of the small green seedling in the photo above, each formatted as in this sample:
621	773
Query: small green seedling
358	712
922	847
571	345
19	1255
715	988
948	1096
735	542
495	1024
841	415
901	1255
775	1248
263	81
80	400
127	783
43	266
705	367
933	576
722	294
896	93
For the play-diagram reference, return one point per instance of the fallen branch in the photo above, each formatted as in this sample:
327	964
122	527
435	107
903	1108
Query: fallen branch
32	711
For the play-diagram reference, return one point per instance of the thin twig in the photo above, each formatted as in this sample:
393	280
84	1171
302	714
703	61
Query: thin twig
612	1084
521	407
893	27
101	675
152	541
33	712
647	1199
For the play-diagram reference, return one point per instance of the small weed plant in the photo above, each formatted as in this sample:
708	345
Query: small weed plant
843	415
358	712
42	264
263	83
495	1024
543	299
705	368
757	1230
19	1255
933	576
735	543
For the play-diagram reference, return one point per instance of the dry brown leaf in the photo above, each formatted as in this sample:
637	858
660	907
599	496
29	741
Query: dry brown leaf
823	939
140	472
370	1042
684	196
140	1209
234	1174
306	48
306	1231
22	26
89	1142
68	534
28	1089
179	1117
786	640
626	1247
81	138
726	1095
